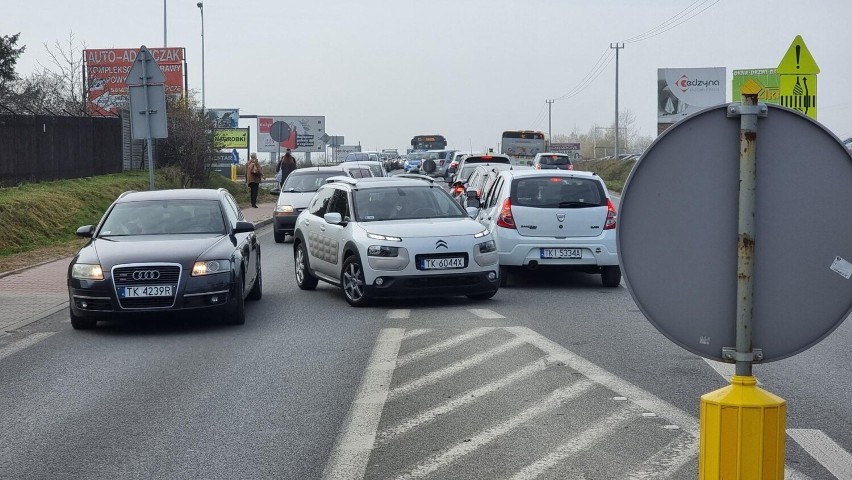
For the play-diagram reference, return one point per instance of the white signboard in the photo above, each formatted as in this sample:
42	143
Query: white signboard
341	151
305	134
684	91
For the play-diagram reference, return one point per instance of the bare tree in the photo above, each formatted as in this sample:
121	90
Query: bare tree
66	65
190	146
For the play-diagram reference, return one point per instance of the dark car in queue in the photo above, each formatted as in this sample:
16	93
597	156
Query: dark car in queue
166	251
299	188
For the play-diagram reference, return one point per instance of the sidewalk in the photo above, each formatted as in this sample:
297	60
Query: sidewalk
32	293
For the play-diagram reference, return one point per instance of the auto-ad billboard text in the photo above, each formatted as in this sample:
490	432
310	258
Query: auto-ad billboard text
767	79
303	134
106	76
684	91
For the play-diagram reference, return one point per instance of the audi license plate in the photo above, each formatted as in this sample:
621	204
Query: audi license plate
146	291
441	263
561	253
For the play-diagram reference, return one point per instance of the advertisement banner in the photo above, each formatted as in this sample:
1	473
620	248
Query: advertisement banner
106	76
766	78
341	151
570	149
305	134
684	91
231	138
225	117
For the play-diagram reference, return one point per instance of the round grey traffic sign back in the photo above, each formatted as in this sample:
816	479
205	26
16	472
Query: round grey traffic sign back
279	131
677	233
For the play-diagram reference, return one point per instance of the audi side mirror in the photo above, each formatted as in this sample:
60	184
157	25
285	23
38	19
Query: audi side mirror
243	227
86	231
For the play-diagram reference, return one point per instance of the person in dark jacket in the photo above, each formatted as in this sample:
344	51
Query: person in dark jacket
286	165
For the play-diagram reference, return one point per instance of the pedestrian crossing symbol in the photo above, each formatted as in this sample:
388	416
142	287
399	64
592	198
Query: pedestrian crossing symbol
798	74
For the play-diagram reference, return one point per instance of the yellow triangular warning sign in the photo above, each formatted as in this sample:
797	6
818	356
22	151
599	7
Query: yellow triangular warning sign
798	60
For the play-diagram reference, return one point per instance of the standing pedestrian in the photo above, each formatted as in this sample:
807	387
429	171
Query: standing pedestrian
254	176
286	166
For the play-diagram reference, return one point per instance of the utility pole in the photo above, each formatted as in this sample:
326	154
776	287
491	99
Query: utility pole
165	27
549	124
617	47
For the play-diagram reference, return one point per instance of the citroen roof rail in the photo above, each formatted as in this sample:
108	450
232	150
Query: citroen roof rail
124	194
416	177
341	179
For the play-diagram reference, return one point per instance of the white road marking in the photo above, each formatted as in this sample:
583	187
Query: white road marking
582	441
726	370
442	346
667	462
461	400
409	334
820	446
438	375
352	450
23	343
450	455
646	400
484	313
399	313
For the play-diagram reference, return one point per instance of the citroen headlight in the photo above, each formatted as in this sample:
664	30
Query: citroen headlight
383	237
487	247
482	233
209	267
87	271
284	209
382	251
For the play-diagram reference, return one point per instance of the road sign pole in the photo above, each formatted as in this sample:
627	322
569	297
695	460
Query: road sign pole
743	426
148	122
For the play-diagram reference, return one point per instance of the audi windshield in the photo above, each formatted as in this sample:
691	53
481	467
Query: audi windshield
164	217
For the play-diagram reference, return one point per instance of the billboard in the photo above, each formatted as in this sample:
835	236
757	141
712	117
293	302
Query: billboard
766	78
570	149
225	117
341	151
106	76
306	134
231	138
684	91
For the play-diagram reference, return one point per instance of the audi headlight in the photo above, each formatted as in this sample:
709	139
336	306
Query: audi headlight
389	238
284	209
382	251
209	267
482	233
86	271
487	247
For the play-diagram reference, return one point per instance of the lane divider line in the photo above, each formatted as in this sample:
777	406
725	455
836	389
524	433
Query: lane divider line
348	459
485	313
582	441
409	334
438	375
468	397
450	455
824	450
400	313
442	346
23	343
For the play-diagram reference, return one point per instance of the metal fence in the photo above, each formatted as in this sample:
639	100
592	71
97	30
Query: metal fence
36	148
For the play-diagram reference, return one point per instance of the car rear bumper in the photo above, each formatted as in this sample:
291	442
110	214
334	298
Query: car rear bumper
523	251
456	284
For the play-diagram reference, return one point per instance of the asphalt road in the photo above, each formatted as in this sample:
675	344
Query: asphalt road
555	377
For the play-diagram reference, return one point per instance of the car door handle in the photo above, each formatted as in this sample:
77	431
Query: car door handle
322	228
307	222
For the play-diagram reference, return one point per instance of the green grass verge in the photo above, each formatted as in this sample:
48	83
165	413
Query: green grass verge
614	172
38	215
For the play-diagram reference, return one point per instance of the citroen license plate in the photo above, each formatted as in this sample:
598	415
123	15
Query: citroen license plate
441	263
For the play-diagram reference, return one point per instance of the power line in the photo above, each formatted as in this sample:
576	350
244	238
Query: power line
670	23
590	76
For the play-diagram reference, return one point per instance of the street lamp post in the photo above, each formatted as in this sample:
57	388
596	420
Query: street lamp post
200	6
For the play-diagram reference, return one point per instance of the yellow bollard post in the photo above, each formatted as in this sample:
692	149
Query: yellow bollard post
743	433
233	173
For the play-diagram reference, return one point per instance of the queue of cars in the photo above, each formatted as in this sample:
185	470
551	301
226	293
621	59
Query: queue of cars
373	236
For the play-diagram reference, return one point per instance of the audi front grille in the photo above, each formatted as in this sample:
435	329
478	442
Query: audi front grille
153	274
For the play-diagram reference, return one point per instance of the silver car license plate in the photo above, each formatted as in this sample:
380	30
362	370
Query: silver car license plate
561	253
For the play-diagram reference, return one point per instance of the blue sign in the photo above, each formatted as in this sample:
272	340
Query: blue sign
235	157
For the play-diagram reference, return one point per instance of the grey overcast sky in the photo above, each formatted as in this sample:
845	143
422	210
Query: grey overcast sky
381	71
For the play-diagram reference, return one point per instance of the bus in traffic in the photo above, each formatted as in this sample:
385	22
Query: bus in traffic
428	142
522	145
